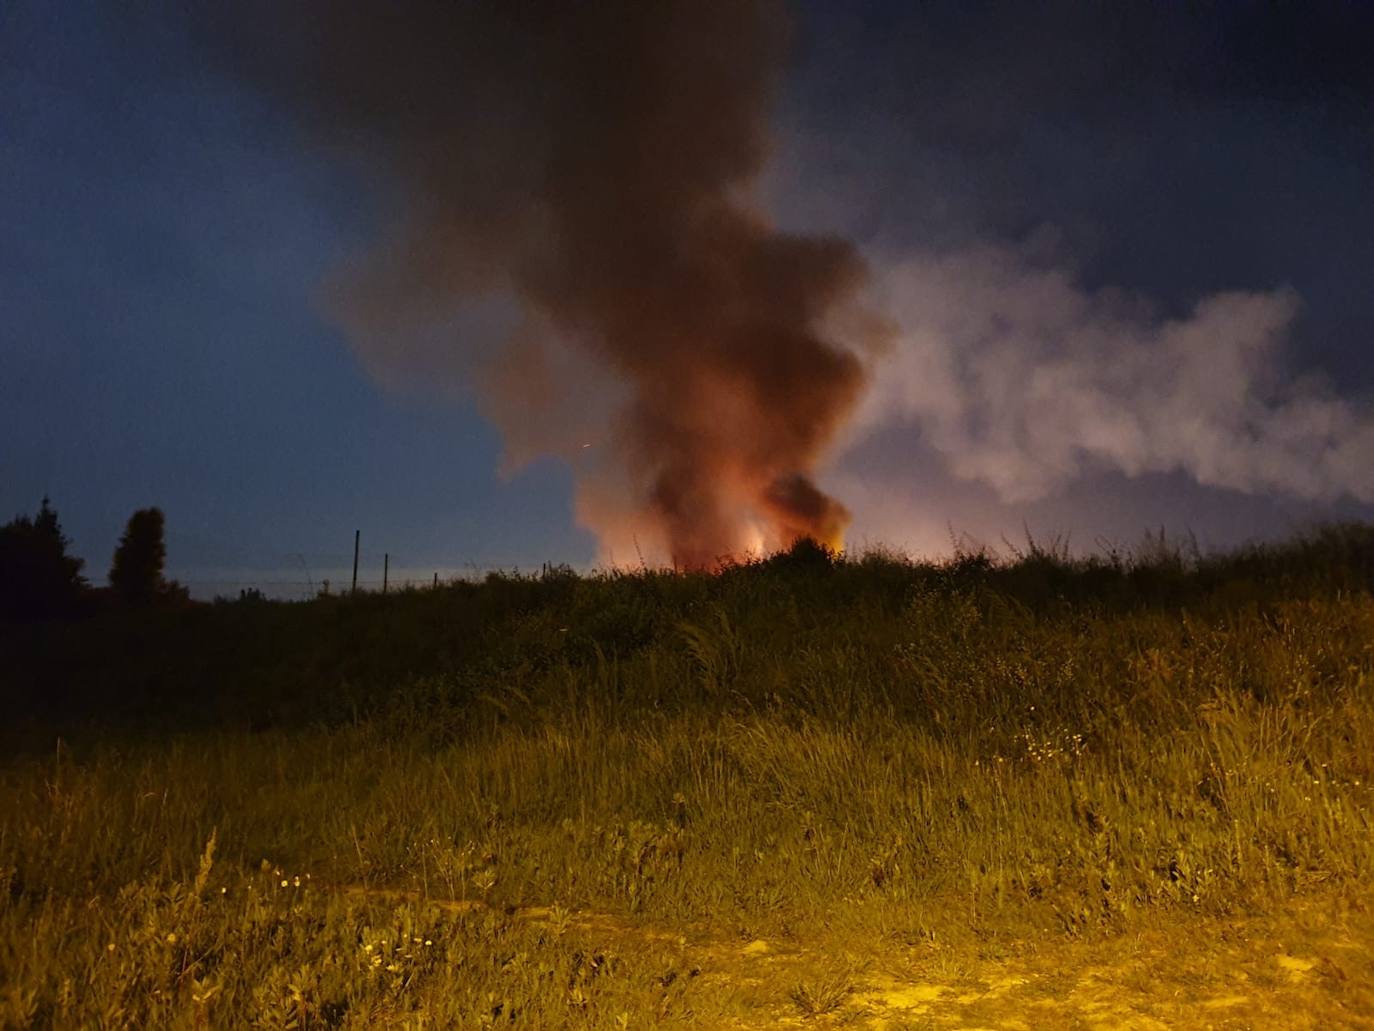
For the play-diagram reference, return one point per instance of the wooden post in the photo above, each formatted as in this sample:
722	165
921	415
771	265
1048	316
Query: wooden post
357	536
386	568
436	581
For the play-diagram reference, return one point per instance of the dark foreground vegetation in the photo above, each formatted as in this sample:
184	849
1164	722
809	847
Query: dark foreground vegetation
337	813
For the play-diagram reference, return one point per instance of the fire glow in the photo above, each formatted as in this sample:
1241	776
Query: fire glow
595	164
594	169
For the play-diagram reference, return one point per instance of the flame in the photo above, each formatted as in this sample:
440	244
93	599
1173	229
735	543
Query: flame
755	544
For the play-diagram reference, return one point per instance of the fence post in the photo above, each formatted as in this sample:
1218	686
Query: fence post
386	568
357	536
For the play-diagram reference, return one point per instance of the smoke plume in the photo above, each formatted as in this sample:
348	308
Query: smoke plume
573	232
590	165
1024	380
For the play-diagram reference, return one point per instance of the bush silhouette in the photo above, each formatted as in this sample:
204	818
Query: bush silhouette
805	554
38	579
136	574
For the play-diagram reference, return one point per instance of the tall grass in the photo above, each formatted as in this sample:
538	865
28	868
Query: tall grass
866	751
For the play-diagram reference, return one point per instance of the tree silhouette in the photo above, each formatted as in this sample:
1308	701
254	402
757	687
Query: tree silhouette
38	579
136	574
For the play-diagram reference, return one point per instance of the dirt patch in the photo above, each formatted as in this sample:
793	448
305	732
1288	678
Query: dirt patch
1308	967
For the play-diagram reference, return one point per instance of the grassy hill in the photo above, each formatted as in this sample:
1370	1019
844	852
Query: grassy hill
559	801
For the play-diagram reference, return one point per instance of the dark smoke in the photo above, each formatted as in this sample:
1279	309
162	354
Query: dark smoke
593	162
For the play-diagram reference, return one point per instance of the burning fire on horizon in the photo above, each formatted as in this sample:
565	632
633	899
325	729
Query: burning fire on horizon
594	162
593	166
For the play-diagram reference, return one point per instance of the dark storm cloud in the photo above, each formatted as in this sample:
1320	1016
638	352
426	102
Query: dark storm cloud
593	162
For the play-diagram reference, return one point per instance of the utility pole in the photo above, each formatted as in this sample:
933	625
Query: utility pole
386	568
357	536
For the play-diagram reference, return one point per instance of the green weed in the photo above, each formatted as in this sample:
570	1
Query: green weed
862	749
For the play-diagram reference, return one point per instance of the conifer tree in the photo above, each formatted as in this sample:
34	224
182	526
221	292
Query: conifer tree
38	579
136	574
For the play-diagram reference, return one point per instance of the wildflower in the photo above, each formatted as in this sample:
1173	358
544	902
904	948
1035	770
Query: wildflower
171	937
429	941
284	882
110	947
297	882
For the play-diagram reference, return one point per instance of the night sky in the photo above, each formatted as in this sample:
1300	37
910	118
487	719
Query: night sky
1123	255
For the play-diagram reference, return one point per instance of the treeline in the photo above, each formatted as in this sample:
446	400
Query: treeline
40	579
